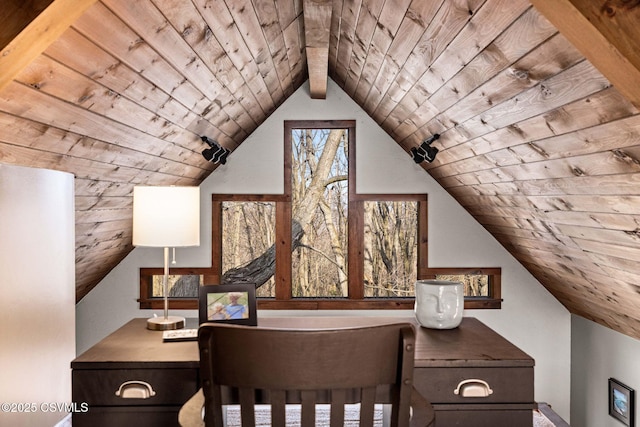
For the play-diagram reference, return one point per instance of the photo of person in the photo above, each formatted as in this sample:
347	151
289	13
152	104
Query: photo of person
233	303
227	306
217	312
234	309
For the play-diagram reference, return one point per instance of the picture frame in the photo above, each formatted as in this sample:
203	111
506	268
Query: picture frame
234	303
621	402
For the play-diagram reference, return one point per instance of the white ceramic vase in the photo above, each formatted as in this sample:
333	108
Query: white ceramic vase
439	303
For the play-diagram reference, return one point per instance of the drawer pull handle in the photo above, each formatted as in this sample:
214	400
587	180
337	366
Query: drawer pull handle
135	390
473	388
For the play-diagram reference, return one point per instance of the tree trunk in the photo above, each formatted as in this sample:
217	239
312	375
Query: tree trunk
260	269
336	247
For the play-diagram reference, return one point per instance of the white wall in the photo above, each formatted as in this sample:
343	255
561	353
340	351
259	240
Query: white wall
599	353
37	293
531	318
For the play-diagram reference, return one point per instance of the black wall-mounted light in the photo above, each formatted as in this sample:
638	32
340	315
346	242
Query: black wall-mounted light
425	151
216	153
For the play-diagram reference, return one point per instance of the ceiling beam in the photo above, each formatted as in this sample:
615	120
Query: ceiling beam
37	35
317	23
607	33
17	14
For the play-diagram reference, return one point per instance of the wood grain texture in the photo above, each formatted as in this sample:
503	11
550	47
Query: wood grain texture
536	104
23	41
606	32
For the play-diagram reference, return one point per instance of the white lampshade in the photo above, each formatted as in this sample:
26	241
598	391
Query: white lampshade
166	216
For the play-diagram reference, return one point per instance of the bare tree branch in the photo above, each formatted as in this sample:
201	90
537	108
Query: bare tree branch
259	270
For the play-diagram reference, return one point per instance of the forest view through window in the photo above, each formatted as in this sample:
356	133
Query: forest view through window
320	201
248	231
322	245
320	210
390	248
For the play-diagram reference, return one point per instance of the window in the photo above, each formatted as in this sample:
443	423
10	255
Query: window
320	244
183	287
482	286
248	232
319	188
390	248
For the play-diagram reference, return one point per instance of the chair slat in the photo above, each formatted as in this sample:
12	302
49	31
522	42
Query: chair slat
367	406
247	407
338	398
308	413
278	408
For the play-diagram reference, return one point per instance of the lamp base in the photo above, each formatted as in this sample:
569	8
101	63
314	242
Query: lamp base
165	323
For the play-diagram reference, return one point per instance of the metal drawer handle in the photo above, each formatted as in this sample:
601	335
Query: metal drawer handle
135	390
473	388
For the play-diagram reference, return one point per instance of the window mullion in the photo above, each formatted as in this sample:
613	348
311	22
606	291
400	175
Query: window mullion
355	245
283	251
216	240
423	239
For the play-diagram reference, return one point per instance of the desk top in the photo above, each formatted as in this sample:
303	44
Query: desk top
473	343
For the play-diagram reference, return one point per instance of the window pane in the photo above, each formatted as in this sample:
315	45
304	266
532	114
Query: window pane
390	248
475	285
248	233
319	189
185	286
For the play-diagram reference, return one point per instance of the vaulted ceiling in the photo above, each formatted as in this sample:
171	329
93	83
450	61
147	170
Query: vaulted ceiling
537	108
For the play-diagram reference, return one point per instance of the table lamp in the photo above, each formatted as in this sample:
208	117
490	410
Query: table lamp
166	217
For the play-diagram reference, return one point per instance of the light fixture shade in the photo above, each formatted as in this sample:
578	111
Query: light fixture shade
166	216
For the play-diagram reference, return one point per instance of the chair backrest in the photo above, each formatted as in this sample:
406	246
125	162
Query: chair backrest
252	365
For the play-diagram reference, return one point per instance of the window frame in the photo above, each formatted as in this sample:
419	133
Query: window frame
148	301
283	204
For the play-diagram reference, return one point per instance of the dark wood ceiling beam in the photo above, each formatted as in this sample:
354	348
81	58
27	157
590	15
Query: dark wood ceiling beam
317	23
16	15
43	30
607	34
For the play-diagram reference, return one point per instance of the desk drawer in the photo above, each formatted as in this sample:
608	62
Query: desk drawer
508	385
484	418
135	387
126	416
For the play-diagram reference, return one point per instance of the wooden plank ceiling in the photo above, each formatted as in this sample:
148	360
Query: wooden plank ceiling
537	144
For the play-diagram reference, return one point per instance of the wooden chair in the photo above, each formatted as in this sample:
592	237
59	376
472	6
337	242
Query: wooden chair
251	365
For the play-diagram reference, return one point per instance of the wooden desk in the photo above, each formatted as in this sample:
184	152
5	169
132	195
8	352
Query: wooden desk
444	359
